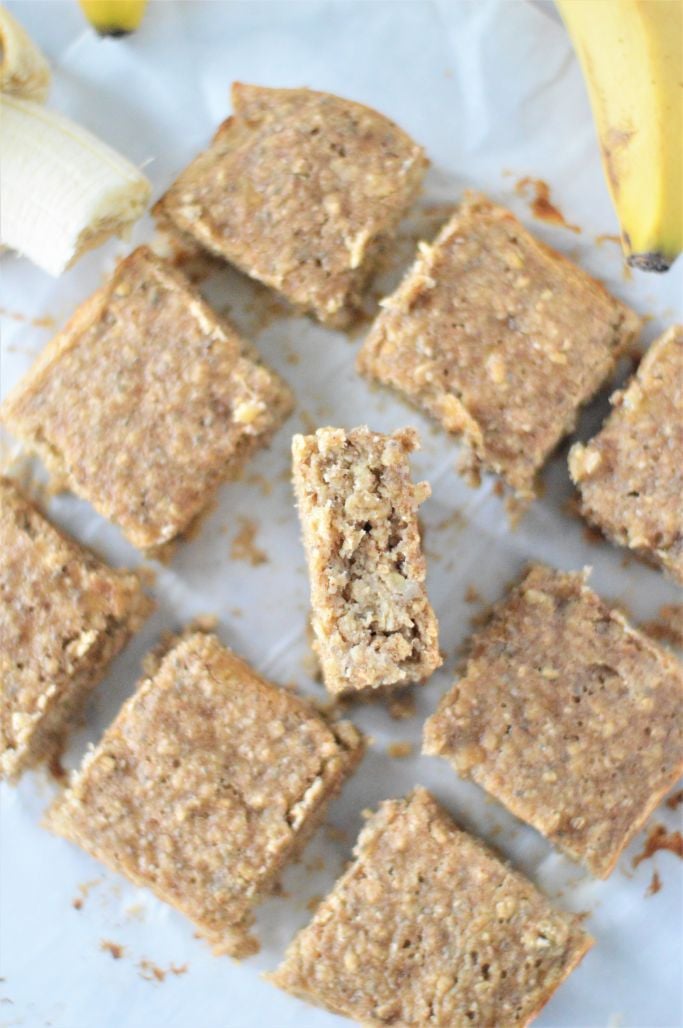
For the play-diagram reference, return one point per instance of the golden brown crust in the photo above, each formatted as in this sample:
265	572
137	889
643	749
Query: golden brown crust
499	338
372	622
206	785
428	927
567	715
146	402
299	189
63	616
630	475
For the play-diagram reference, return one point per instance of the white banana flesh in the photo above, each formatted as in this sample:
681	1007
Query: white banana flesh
62	190
23	69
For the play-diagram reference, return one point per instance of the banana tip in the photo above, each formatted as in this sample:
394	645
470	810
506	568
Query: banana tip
112	32
652	261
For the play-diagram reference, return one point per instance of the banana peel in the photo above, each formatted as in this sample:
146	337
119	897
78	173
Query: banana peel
631	53
23	69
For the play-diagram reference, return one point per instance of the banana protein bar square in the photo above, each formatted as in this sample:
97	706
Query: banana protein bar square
300	190
64	615
567	716
428	926
499	338
146	402
373	624
208	782
630	475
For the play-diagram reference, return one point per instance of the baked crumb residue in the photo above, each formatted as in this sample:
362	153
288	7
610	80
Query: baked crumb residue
538	193
659	838
56	769
335	834
607	237
399	750
675	800
478	620
472	595
28	351
309	426
314	902
147	575
592	536
184	254
84	890
668	625
655	885
401	707
115	949
243	546
151	972
265	308
263	483
516	507
44	321
456	519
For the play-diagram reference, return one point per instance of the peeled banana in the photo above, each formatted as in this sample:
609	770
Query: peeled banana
23	69
114	17
62	191
631	52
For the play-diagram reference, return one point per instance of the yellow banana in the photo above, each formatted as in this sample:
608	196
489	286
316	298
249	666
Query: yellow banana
631	52
114	17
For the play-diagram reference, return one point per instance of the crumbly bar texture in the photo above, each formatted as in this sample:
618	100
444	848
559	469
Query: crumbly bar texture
146	402
63	616
373	625
630	475
567	716
300	190
428	927
500	339
207	783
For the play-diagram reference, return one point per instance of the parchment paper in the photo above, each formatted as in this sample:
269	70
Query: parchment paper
493	91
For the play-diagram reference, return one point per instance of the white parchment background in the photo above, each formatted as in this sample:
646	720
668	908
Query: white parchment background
493	91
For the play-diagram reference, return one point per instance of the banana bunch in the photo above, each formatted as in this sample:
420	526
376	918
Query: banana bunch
62	190
631	52
114	17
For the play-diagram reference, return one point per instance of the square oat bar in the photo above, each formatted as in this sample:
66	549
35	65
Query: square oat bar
372	622
499	338
299	190
427	926
567	716
146	402
64	615
630	475
207	783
